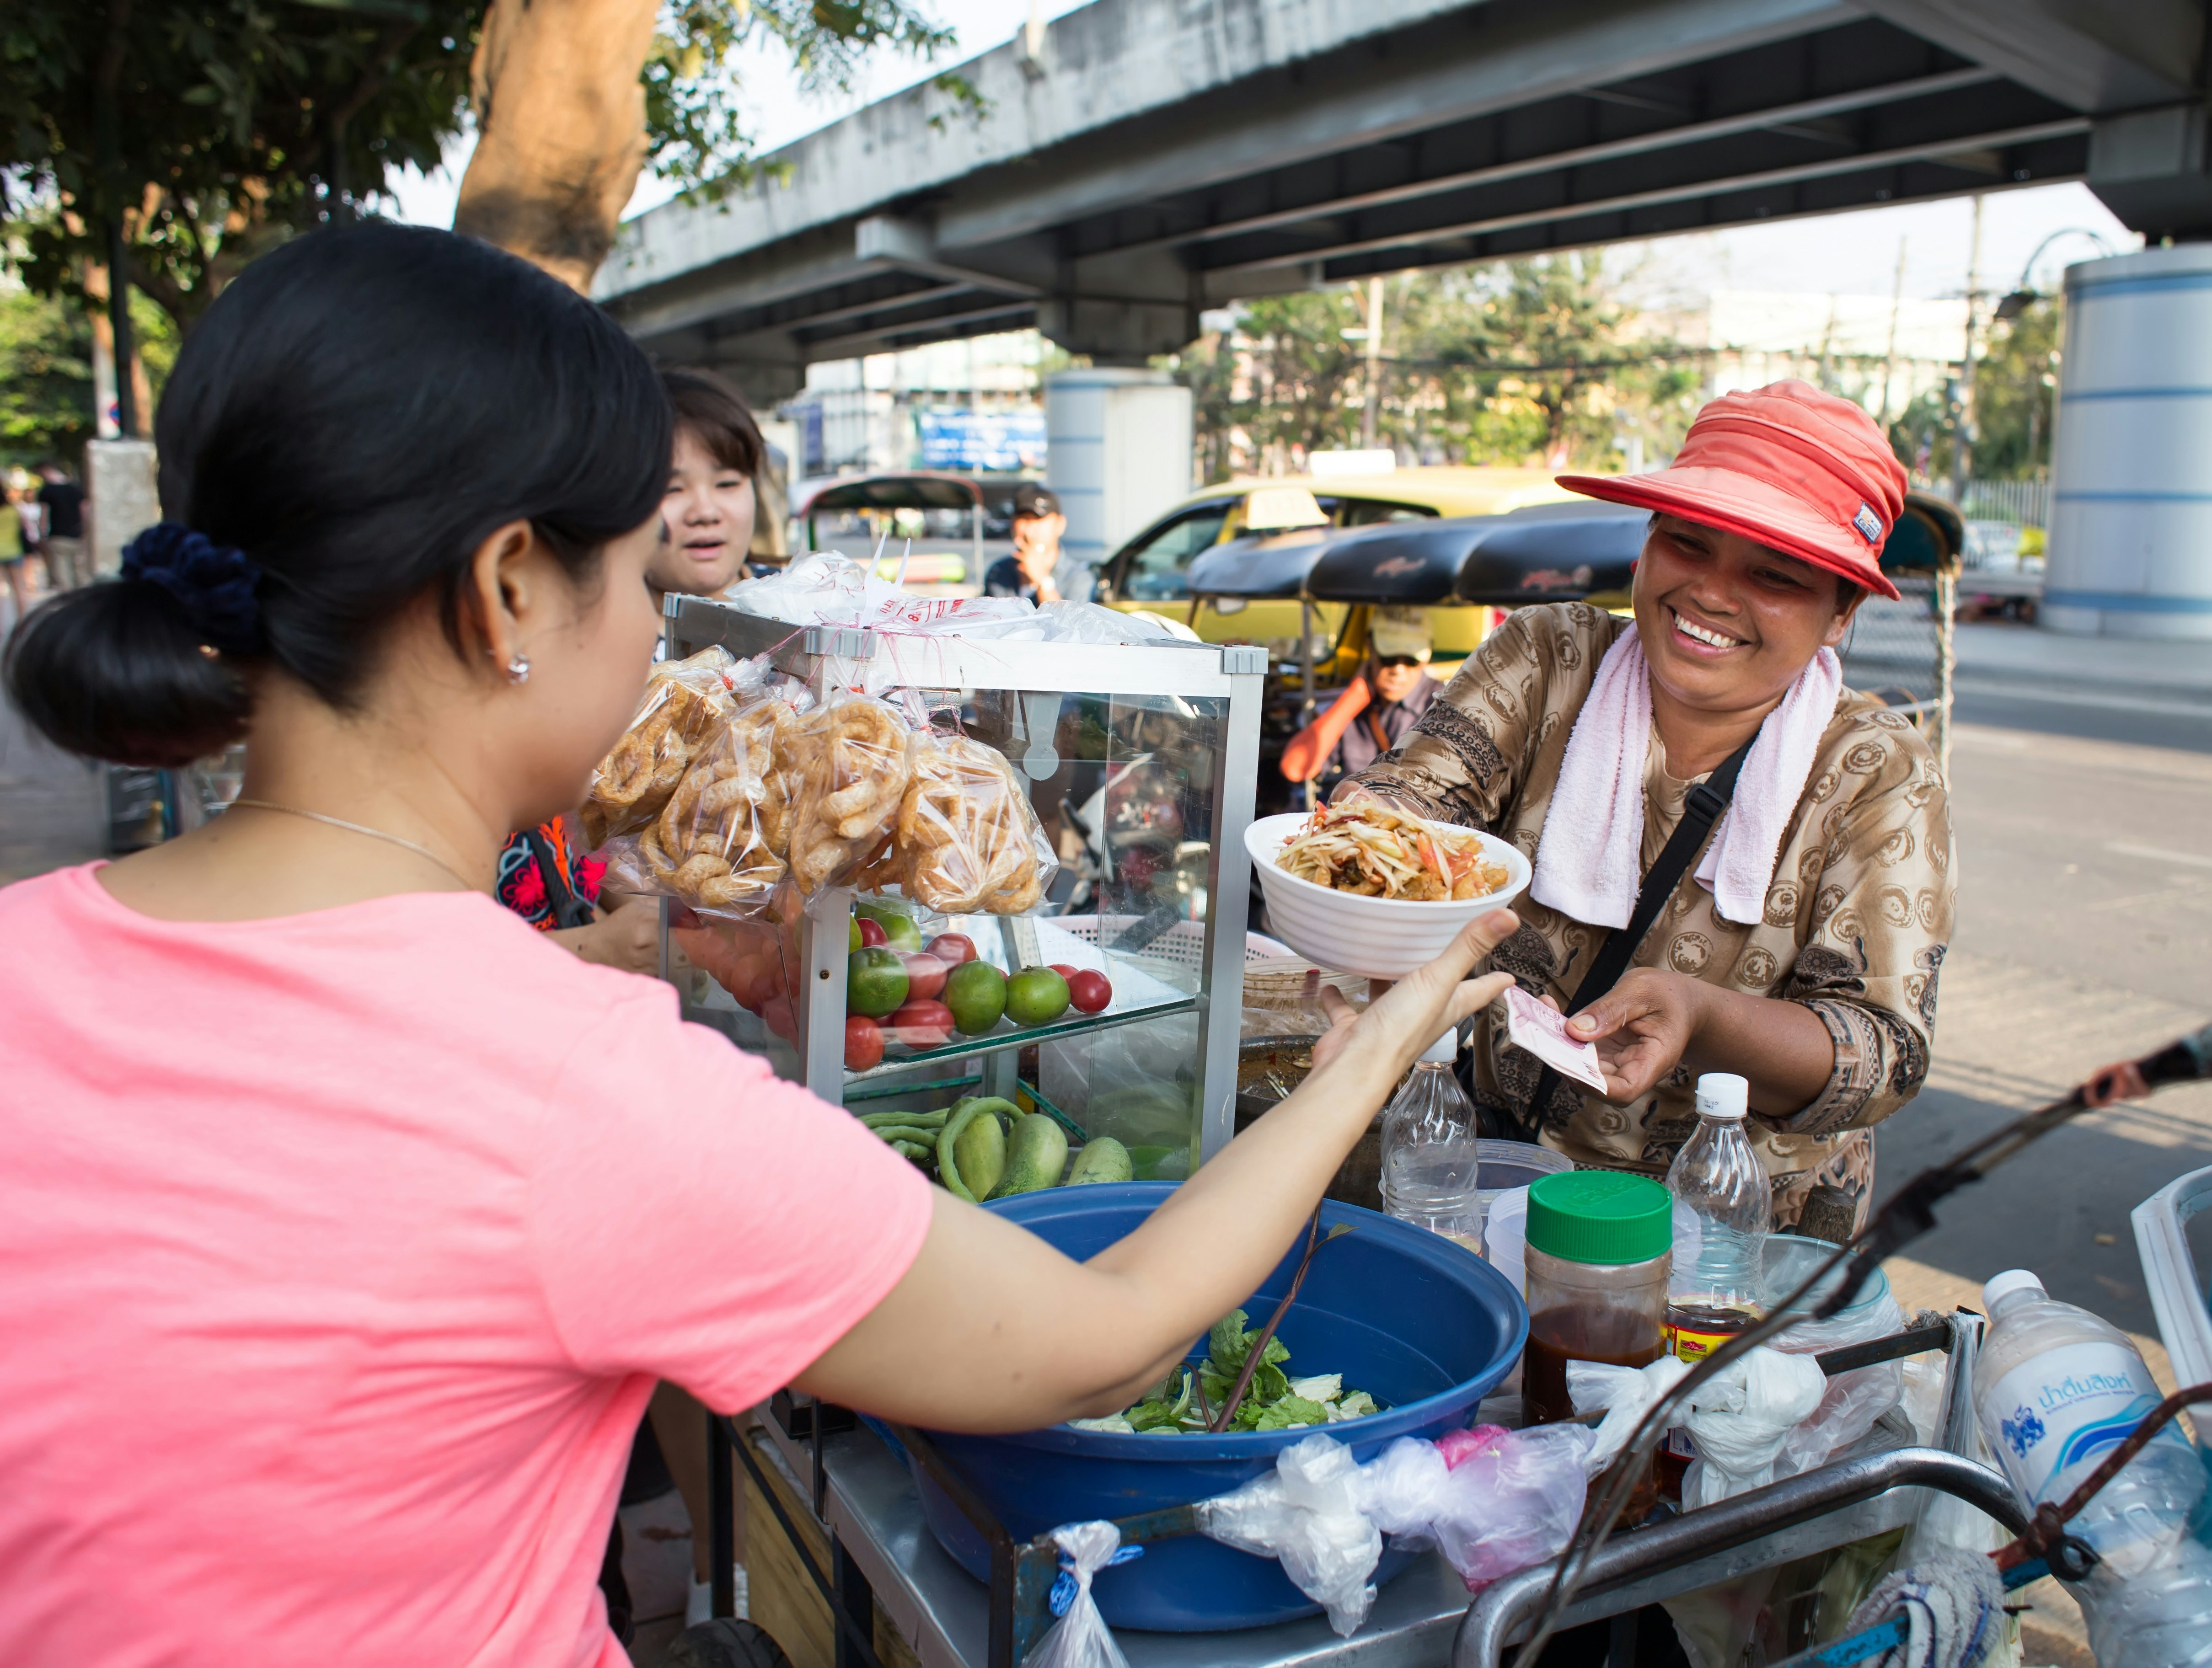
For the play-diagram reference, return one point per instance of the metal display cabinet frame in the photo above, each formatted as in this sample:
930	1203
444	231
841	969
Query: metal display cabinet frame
829	658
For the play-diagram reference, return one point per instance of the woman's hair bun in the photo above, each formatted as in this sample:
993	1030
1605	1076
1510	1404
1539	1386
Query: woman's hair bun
349	419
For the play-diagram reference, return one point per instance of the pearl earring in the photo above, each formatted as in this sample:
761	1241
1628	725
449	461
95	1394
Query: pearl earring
518	669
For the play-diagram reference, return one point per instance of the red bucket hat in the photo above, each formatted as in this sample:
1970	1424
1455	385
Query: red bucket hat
1799	470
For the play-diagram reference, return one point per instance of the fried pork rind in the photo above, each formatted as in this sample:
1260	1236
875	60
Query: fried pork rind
967	842
845	766
684	702
1377	853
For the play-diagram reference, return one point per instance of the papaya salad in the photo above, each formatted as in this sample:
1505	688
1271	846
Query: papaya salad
1377	853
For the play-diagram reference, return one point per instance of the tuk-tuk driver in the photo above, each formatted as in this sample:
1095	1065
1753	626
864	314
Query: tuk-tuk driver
1388	695
1039	570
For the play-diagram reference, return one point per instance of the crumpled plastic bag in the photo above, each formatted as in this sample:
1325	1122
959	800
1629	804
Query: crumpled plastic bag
1306	1514
1491	1500
1081	1639
1853	1400
1738	1419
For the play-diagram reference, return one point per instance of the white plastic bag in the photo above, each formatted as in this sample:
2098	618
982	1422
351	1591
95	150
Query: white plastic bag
1081	1639
1627	1394
1512	1498
1741	1418
1306	1514
1853	1400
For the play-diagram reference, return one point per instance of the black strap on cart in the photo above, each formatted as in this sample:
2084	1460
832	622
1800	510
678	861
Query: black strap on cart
1700	811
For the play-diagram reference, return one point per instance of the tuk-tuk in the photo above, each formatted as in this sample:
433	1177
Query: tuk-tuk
922	505
1477	564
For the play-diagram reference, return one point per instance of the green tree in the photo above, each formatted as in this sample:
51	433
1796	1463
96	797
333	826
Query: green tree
2015	395
1513	363
210	129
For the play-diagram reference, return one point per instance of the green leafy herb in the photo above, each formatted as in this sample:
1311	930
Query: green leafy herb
1273	1400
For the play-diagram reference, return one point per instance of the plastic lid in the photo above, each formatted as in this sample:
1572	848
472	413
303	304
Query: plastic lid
1442	1051
1601	1216
2004	1285
1722	1094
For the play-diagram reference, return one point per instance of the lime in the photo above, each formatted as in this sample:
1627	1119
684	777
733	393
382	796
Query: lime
856	939
1036	996
899	930
875	981
977	993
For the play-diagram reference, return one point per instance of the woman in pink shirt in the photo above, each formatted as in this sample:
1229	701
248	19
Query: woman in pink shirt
346	1224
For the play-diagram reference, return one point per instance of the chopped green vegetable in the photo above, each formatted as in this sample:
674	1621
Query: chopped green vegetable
1273	1401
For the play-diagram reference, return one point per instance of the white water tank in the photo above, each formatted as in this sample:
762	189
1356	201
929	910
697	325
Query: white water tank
2131	516
1117	453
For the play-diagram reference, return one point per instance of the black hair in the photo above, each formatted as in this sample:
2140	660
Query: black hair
356	412
715	414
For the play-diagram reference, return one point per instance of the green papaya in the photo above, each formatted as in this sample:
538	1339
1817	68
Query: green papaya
1037	1155
1102	1159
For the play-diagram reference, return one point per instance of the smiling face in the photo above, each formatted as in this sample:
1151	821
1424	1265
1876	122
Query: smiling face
709	508
1728	624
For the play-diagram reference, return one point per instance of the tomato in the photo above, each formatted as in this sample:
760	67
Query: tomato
925	973
864	1043
1063	969
953	948
871	933
920	1023
1089	992
777	1014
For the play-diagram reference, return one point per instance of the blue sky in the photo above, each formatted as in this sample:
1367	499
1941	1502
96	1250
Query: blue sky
1847	254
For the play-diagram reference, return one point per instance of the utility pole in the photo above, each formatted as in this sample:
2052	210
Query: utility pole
1374	412
1889	359
1963	467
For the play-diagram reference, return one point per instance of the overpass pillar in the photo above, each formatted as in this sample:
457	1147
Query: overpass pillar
2132	517
1117	453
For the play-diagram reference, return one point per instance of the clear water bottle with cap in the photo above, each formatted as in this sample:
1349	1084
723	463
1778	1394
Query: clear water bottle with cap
1723	1198
1430	1173
2058	1389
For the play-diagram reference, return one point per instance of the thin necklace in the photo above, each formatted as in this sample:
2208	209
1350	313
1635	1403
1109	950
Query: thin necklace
357	827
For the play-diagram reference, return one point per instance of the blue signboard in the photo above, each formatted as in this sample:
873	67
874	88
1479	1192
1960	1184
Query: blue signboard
998	440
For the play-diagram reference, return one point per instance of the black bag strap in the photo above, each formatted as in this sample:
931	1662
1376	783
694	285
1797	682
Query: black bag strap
569	909
1701	808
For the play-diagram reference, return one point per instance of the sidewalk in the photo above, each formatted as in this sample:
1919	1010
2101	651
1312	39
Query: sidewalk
1996	657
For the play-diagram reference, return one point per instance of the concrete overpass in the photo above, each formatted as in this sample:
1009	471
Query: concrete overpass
1142	159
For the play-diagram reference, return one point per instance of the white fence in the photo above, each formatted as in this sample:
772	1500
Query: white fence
2023	503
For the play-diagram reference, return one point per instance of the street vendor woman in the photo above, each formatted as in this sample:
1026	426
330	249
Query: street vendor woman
1801	943
346	1222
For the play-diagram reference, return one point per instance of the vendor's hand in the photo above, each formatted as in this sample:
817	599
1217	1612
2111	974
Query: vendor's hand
1642	1027
2124	1081
627	939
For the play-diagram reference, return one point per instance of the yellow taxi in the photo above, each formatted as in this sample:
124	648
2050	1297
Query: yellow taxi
1152	571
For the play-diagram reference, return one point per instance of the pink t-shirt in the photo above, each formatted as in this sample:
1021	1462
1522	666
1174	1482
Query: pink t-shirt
339	1255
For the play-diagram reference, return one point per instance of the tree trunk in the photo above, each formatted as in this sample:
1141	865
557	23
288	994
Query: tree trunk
561	129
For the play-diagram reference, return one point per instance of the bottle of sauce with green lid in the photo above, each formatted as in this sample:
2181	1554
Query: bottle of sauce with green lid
1600	1244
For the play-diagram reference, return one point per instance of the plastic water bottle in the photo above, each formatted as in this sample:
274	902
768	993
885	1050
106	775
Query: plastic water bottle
2058	1389
1718	1182
1430	1168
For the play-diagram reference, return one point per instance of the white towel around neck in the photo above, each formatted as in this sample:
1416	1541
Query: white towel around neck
1590	858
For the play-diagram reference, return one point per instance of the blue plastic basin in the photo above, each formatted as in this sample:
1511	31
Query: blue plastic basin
1424	1325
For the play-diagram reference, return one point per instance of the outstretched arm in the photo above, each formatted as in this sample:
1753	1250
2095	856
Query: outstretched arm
993	1329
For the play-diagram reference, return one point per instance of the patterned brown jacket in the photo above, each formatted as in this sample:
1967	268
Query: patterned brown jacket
1857	921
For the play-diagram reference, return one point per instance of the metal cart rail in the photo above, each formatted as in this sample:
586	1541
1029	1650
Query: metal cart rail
882	1552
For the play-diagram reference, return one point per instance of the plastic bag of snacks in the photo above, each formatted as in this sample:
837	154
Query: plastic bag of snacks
685	701
845	766
966	841
720	841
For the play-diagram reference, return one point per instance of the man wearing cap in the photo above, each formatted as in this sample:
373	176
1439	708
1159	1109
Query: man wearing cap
1038	570
1386	696
1794	931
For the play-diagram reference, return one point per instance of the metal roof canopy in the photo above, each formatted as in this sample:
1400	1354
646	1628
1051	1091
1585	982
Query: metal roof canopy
1156	157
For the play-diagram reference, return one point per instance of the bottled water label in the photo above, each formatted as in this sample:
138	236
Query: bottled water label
2058	1415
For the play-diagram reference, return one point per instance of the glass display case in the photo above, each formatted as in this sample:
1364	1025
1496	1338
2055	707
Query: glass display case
1140	761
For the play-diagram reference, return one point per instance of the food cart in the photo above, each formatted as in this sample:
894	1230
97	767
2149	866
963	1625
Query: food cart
876	502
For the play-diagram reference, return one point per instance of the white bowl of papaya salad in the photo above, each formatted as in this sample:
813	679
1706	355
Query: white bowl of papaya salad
1367	889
